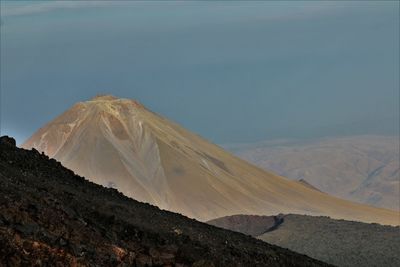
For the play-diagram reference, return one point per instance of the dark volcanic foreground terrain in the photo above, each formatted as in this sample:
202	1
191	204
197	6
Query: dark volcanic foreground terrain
51	217
339	242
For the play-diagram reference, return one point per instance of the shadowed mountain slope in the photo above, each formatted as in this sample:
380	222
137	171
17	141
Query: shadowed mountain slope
119	143
338	242
51	217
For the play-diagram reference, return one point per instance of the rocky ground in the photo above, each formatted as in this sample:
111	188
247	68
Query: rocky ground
51	217
338	242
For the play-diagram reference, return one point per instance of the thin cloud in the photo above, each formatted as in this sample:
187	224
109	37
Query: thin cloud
9	9
279	10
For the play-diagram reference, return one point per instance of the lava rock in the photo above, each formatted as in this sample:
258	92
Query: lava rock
6	140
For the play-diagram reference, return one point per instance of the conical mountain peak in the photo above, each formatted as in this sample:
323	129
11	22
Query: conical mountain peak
117	143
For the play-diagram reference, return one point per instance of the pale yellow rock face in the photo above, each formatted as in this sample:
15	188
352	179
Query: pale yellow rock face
119	143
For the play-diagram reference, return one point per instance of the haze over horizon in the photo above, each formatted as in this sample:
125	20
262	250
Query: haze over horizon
229	71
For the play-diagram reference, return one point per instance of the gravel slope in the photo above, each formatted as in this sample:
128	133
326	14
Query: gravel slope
51	217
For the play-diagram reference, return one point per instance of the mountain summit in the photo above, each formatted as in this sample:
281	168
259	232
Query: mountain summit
121	144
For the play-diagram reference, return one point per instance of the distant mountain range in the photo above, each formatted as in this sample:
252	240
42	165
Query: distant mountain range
119	143
338	242
51	217
364	169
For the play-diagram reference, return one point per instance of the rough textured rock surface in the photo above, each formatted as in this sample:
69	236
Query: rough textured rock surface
119	143
339	242
51	217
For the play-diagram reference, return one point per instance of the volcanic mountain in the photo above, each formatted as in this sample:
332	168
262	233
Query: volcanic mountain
119	143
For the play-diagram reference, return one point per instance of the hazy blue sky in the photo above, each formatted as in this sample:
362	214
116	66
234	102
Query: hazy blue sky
230	71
